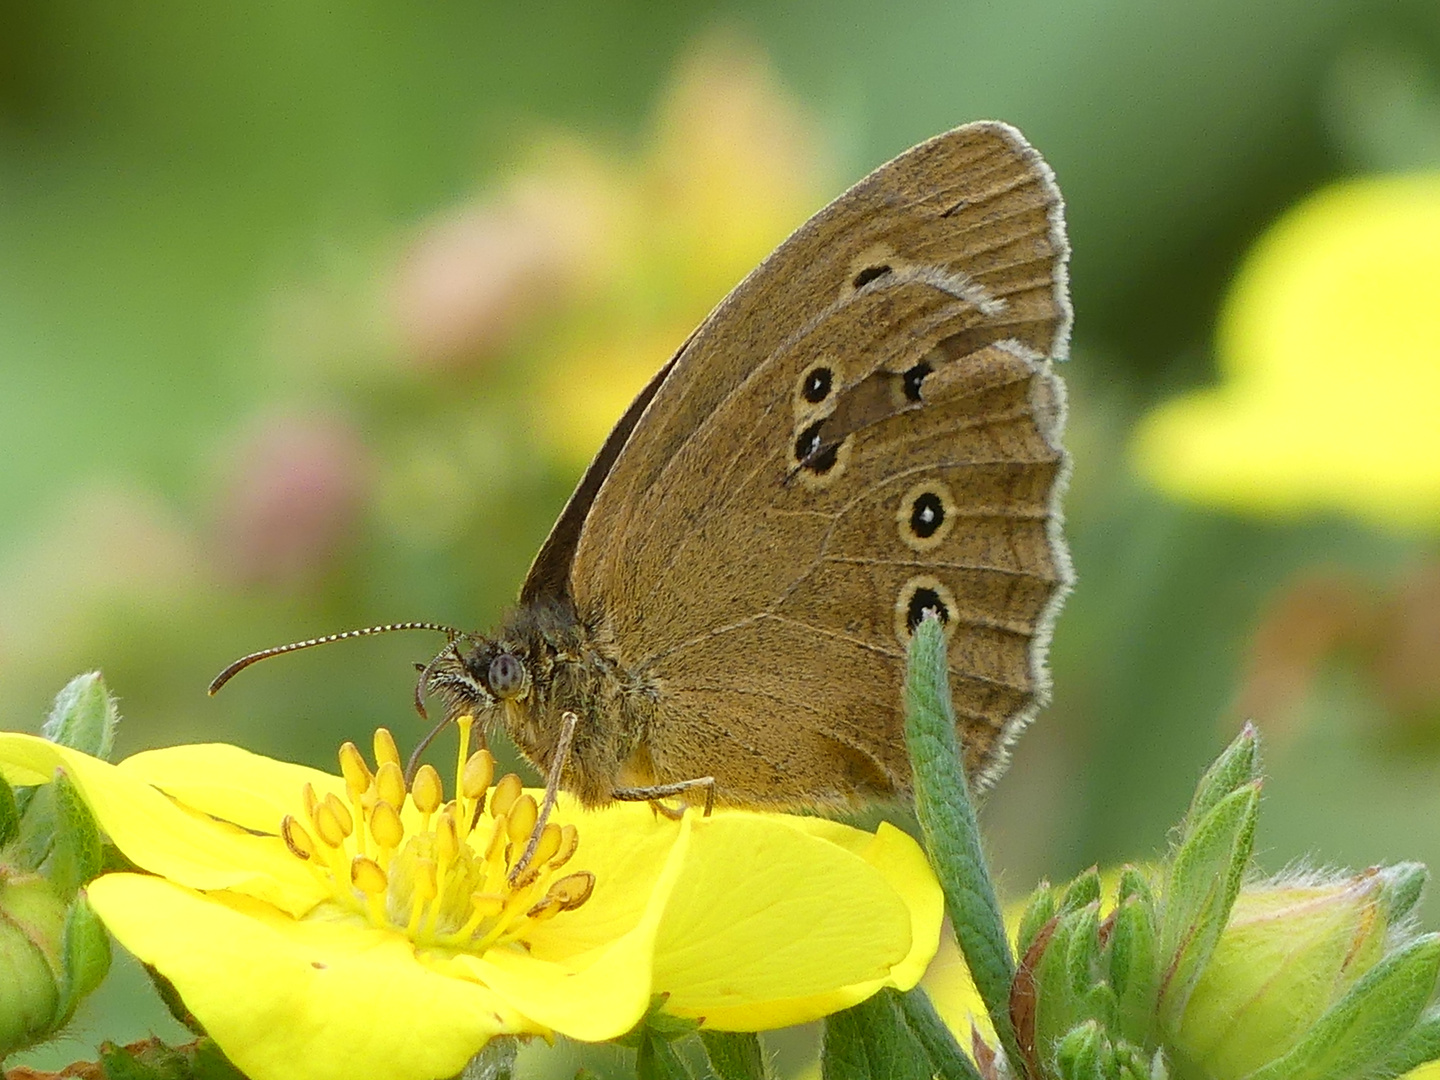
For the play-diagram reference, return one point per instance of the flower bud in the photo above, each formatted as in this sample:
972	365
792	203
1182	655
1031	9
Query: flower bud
32	922
1290	951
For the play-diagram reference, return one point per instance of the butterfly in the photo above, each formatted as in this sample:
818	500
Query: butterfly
867	428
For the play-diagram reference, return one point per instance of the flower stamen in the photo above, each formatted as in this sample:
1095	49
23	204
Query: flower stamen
448	882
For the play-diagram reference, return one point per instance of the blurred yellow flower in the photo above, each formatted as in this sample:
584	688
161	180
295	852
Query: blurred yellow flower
1330	362
733	166
318	933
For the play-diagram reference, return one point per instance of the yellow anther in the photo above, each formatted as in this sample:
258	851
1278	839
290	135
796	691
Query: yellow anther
447	838
385	826
327	825
390	784
427	791
547	847
487	905
296	838
309	799
506	792
572	891
366	875
477	774
352	766
547	908
385	749
569	841
496	845
342	813
522	819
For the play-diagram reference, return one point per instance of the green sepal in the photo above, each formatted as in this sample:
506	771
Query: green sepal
872	1041
1039	910
493	1061
952	835
657	1022
1237	765
735	1055
75	852
84	958
657	1059
208	1061
9	813
31	847
1133	969
1204	879
1401	889
947	1060
1365	1026
1420	1045
150	1060
84	716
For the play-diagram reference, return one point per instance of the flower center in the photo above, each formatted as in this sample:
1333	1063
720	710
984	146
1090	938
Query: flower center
443	873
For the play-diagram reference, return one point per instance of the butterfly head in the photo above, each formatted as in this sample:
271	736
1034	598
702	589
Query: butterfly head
476	675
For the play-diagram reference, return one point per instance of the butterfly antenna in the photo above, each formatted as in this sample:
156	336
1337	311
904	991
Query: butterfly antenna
295	646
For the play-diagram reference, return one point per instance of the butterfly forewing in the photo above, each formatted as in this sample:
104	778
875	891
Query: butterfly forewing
865	428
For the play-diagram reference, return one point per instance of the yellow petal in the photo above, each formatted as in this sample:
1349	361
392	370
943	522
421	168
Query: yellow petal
163	837
1331	367
588	974
290	1000
815	928
229	783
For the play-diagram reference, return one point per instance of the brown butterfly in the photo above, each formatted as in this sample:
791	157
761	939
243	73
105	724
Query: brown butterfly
868	427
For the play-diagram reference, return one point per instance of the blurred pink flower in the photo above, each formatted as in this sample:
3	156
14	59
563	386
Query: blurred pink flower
292	494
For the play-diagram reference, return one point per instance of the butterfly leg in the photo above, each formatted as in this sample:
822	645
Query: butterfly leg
552	788
654	793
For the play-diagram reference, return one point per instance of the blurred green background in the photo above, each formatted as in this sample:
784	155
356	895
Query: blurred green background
310	315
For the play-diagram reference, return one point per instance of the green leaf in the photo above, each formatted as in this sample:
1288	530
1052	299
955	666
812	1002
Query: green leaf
9	813
1368	1023
735	1055
1237	765
952	836
1204	879
75	853
1057	1007
872	1041
1039	910
1134	882
1083	955
84	958
1083	891
1134	972
947	1060
1077	1057
84	716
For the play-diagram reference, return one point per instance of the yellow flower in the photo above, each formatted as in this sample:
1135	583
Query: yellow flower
317	934
1330	393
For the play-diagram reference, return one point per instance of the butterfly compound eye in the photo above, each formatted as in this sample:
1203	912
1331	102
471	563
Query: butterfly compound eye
507	676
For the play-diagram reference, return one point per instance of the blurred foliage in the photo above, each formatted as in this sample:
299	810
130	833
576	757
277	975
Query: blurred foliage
311	313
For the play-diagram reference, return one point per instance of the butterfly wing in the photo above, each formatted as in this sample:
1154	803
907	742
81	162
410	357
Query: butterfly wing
866	427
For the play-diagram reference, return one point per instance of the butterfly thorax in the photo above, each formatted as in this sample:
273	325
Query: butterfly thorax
541	663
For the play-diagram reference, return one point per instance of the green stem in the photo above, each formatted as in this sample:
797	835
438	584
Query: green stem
947	818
